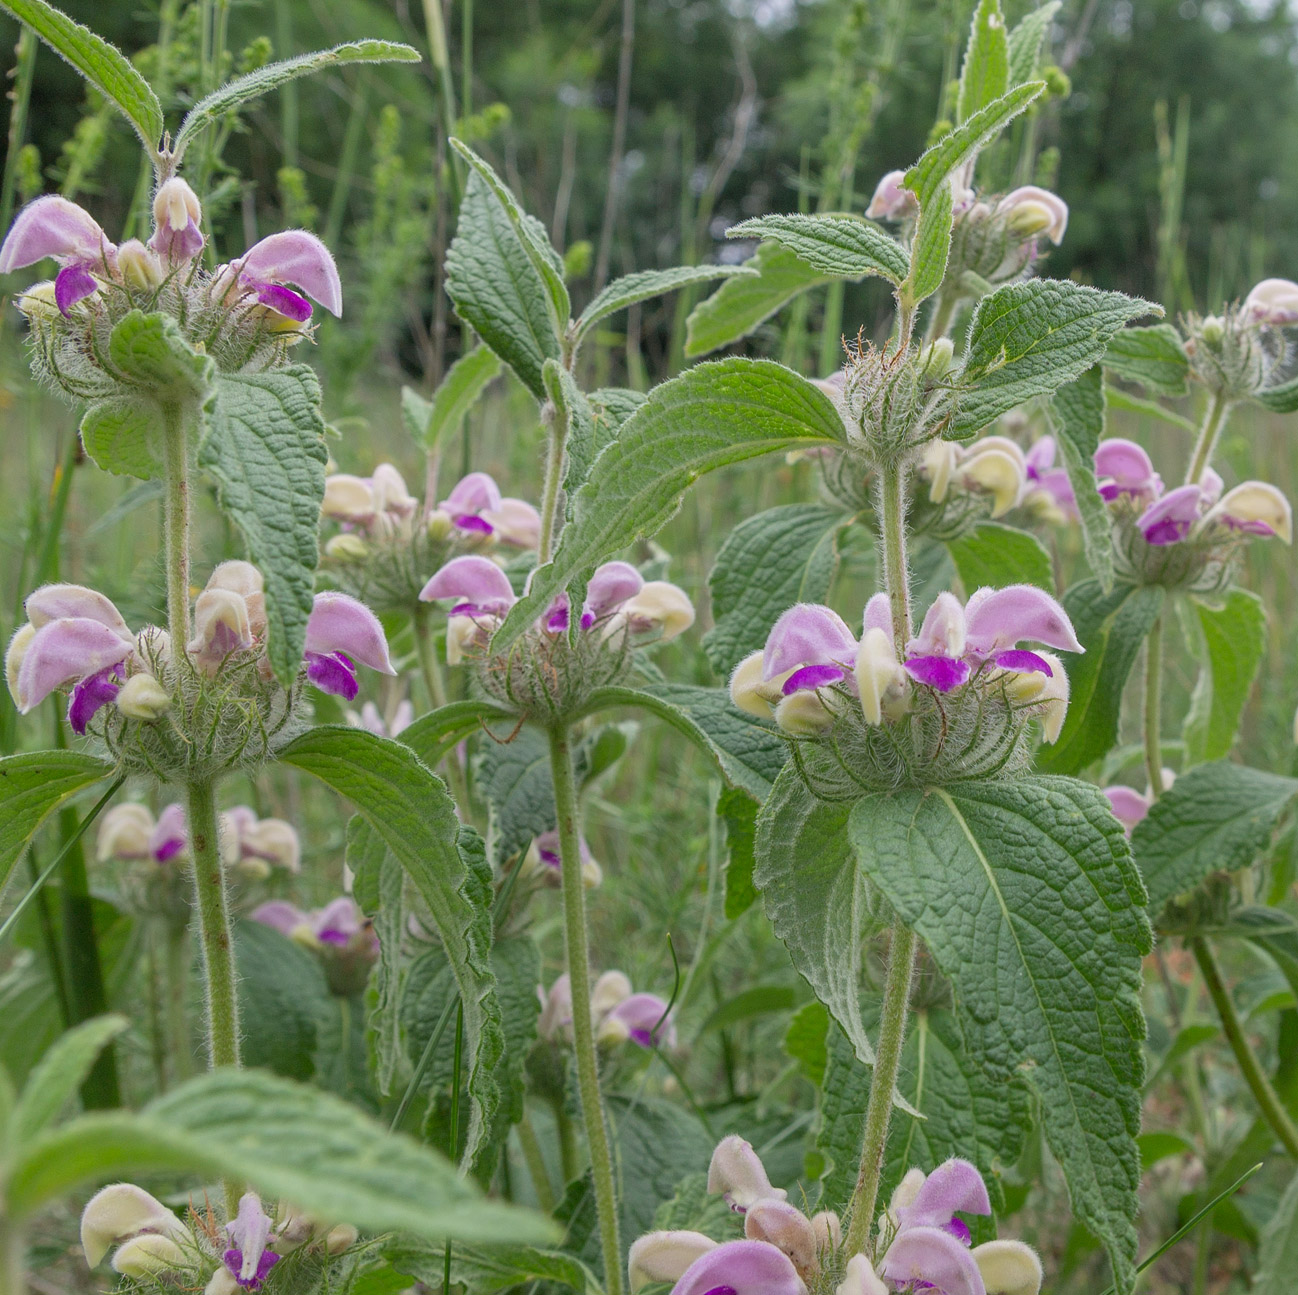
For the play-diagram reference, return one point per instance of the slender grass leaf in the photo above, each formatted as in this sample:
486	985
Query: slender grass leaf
1077	418
102	64
645	284
1151	356
234	94
409	808
996	555
1112	627
1027	40
32	786
741	304
1029	339
264	447
1218	817
1233	645
1027	898
985	75
711	416
840	245
55	1079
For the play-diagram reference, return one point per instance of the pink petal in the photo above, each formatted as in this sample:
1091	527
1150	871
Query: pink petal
610	586
878	615
339	623
1128	805
53	226
999	618
645	1017
57	602
298	257
812	677
473	579
333	673
1022	660
89	697
941	672
283	301
742	1267
169	834
1040	457
807	634
280	915
928	1254
953	1185
63	652
73	283
475	493
1169	519
338	921
517	523
1124	462
943	631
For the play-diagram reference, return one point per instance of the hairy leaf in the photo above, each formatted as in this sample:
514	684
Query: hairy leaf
645	284
583	443
996	555
770	561
1112	627
408	806
515	778
150	352
711	416
1279	400
1027	898
264	447
32	786
430	422
1151	356
840	245
57	1076
1027	40
234	94
125	437
102	64
738	811
431	736
1218	817
1077	417
1233	644
1028	339
1278	1253
741	304
985	75
379	889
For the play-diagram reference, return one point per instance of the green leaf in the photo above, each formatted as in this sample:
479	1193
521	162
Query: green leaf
1273	931
996	555
264	447
1279	400
1278	1253
125	437
1116	398
583	443
234	94
1159	1146
1151	356
631	288
816	897
409	808
613	406
1112	627
738	811
1187	1039
496	288
760	1000
286	1140
749	752
1077	418
503	1267
379	888
985	75
1027	898
531	235
32	786
1218	817
431	736
770	561
741	304
54	1081
1028	339
840	245
929	179
150	352
430	422
102	64
805	1042
1027	40
1233	645
515	778
711	416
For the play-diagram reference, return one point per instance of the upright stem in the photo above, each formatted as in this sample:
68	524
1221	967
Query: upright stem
1153	709
175	527
1260	1086
177	983
887	1065
892	528
578	955
1213	421
556	421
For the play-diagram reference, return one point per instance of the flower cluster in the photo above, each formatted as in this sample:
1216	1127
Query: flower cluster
1184	537
922	1242
955	704
617	1013
152	1243
242	314
208	707
555	666
387	541
1243	351
339	932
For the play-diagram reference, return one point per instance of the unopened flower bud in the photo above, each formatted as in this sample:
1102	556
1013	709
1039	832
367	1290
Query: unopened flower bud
139	265
660	609
998	472
177	216
1050	692
439	524
275	841
1032	211
143	697
861	1279
1272	303
18	646
747	689
609	990
1008	1268
803	714
737	1173
880	678
347	547
120	1211
787	1228
221	627
149	1255
340	1238
891	201
1212	330
936	359
938	464
664	1256
348	498
39	301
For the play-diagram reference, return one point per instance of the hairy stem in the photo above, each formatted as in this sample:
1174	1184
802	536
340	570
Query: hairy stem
578	956
887	1064
1268	1101
1209	434
1153	709
175	527
892	534
213	927
556	422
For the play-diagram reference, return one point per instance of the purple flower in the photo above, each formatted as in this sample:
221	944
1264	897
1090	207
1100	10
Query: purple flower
997	619
291	256
473	496
935	657
737	1174
1052	493
1273	303
1128	805
1169	519
610	586
1123	468
480	586
643	1019
1031	211
741	1268
808	634
53	226
177	216
248	1259
1255	508
73	650
931	1258
891	201
170	836
341	633
544	860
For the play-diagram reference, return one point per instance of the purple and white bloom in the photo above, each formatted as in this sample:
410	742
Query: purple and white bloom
544	861
880	677
293	256
737	1174
555	1021
891	201
170	837
177	221
483	596
1172	516
248	1258
339	924
125	832
1273	303
741	1267
935	657
664	1256
1049	491
1129	806
1256	508
641	1018
342	633
119	1214
808	647
472	500
1032	212
268	842
1123	468
657	612
54	227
